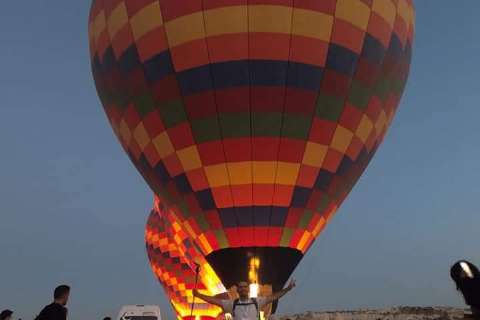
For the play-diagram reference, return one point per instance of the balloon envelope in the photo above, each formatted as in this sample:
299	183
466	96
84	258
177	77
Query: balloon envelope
251	120
172	257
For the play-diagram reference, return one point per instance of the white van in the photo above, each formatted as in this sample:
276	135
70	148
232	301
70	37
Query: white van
139	312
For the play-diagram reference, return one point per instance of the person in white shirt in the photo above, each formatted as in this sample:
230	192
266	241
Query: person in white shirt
244	308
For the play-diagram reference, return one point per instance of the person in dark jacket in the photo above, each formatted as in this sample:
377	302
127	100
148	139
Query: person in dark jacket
467	279
6	314
56	310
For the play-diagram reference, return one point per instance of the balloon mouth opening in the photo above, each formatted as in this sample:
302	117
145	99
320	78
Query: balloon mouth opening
265	269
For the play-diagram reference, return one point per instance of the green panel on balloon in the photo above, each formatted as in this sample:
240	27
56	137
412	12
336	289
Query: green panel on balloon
144	104
172	113
235	125
296	126
287	234
205	129
202	223
266	124
322	205
329	107
359	96
305	220
222	240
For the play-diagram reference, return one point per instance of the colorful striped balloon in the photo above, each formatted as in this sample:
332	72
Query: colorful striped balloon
251	120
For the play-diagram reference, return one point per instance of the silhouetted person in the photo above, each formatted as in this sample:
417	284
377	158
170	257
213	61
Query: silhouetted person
56	310
467	279
244	308
6	314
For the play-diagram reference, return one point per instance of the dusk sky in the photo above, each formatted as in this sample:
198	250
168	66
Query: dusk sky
73	208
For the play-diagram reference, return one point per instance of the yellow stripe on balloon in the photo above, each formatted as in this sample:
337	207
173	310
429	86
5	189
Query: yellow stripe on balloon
146	20
117	20
227	20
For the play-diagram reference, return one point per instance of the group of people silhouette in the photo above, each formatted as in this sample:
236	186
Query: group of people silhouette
56	310
464	273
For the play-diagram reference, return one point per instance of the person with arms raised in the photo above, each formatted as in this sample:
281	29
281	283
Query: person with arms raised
244	308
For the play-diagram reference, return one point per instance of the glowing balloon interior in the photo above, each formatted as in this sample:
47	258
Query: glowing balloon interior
250	120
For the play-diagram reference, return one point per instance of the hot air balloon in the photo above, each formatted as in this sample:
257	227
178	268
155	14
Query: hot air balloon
171	253
250	120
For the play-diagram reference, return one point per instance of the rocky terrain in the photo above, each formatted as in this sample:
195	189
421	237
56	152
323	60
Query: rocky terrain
396	313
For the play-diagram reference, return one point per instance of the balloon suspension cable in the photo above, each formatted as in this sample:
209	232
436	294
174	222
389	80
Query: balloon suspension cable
197	270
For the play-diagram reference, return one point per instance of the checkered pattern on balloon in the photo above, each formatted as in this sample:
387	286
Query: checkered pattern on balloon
251	120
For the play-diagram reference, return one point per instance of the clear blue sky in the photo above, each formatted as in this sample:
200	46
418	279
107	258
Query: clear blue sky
73	208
